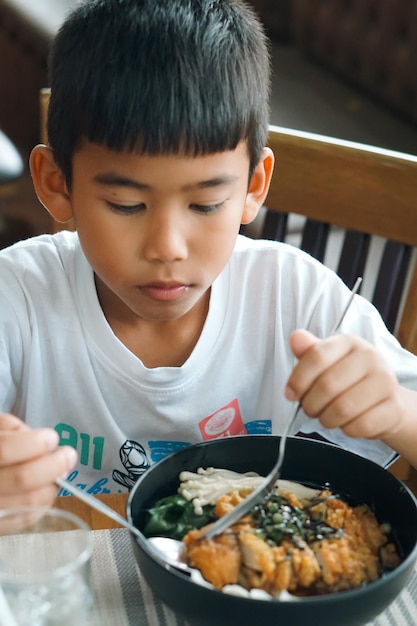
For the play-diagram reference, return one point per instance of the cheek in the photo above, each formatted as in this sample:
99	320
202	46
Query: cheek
217	244
98	229
103	250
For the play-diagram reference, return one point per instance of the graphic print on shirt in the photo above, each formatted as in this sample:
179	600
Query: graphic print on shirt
160	449
90	454
135	461
259	427
225	422
90	449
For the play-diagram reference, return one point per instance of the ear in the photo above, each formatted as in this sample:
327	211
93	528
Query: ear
49	183
258	186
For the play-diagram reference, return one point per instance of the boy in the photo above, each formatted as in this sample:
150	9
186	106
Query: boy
154	325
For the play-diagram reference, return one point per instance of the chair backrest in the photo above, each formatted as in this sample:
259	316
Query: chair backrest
350	194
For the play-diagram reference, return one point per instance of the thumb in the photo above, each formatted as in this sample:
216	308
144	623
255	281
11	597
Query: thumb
11	422
301	341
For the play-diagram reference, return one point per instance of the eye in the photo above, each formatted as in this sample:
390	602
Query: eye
206	208
126	209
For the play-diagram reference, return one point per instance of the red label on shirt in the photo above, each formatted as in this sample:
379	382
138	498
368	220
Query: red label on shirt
225	422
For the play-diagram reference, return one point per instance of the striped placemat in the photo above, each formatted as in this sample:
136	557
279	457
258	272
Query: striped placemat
122	597
120	594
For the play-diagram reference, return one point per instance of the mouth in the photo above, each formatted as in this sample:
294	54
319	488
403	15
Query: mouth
165	292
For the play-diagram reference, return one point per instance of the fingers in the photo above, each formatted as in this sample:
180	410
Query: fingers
371	398
44	496
344	382
301	341
315	359
30	462
37	473
11	422
373	423
22	443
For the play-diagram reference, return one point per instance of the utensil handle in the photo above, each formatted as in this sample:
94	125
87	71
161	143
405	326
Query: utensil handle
106	510
95	504
349	302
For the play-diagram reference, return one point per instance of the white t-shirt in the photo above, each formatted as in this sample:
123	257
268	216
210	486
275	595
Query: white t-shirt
62	366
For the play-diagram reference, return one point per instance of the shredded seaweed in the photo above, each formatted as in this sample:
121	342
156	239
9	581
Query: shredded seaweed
277	519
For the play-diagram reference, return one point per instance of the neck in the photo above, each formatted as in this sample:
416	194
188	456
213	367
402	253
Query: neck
166	343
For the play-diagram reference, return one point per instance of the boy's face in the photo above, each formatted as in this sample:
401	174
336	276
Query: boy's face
158	230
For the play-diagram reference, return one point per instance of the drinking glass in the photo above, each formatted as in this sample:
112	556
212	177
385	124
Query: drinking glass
44	568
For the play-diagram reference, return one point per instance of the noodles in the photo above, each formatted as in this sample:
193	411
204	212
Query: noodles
206	486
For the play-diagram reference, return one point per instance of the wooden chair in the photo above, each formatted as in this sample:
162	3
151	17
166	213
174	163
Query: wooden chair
353	192
44	96
363	191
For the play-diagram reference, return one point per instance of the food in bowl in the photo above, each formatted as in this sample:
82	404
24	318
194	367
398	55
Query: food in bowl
300	540
307	462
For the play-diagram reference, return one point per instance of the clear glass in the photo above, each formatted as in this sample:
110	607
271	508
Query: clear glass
45	556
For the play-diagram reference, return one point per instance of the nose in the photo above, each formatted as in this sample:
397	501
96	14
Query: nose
165	238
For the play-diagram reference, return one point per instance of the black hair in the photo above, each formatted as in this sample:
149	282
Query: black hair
159	77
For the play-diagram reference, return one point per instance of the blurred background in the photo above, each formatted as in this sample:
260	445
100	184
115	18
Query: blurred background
344	68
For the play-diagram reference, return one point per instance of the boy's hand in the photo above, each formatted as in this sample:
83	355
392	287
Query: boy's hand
345	382
30	461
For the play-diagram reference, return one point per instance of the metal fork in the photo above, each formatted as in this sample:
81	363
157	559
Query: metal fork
266	487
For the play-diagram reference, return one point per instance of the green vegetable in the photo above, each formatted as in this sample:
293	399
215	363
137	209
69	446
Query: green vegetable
174	516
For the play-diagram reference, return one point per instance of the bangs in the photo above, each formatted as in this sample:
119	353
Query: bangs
169	78
179	118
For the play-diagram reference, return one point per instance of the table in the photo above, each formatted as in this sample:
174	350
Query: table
96	520
122	597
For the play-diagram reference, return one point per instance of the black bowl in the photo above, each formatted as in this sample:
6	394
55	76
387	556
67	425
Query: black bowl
310	462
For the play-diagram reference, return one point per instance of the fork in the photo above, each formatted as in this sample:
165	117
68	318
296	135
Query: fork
266	487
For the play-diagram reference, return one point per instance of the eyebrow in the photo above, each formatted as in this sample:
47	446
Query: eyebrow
112	179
